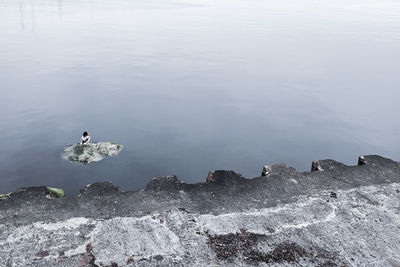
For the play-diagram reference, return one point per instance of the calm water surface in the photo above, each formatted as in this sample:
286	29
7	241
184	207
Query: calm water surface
189	86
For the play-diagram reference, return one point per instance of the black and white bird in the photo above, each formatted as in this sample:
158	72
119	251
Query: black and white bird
85	138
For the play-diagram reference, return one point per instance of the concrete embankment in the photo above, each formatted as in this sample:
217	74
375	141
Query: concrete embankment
335	215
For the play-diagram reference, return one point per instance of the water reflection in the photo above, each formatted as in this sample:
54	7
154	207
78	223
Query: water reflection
189	86
21	16
33	16
60	6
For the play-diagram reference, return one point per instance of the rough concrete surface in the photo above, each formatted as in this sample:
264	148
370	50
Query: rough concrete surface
337	215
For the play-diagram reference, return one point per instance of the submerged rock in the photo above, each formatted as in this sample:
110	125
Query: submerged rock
91	152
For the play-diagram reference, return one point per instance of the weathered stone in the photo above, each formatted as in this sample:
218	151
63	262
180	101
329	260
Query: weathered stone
266	170
362	161
55	192
29	193
278	169
100	189
91	152
164	183
344	216
4	196
222	177
316	167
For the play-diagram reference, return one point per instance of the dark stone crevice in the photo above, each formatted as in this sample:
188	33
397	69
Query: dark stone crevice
244	246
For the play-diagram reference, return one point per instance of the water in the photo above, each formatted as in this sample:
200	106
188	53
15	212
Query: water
189	86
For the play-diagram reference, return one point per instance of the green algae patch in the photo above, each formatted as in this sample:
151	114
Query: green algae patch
4	196
55	192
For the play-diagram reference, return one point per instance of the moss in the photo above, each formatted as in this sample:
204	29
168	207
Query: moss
79	149
55	192
4	196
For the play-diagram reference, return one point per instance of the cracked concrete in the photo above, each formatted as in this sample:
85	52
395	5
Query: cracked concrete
342	216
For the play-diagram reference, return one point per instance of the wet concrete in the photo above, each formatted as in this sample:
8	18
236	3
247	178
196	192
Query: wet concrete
336	215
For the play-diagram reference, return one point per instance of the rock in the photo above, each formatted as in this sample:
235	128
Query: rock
100	189
329	164
266	170
91	152
315	166
343	216
34	192
280	169
165	183
362	161
222	177
4	196
27	194
42	254
55	192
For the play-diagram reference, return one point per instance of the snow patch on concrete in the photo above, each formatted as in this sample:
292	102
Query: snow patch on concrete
69	224
119	237
266	221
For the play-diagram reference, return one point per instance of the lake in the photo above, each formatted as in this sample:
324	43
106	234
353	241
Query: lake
191	86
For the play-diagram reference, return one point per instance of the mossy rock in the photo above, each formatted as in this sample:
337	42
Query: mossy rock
79	149
4	196
92	152
55	192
